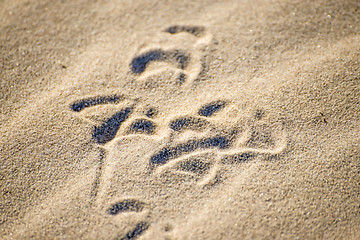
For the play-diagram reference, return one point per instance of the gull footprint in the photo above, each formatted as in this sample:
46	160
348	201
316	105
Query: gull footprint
108	114
199	156
105	133
200	143
211	137
184	53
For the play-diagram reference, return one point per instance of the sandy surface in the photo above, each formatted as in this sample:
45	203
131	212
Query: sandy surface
180	119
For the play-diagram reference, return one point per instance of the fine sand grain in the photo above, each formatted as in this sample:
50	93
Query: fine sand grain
180	119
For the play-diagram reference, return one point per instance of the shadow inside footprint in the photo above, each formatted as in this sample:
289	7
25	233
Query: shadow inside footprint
142	126
239	158
137	231
107	131
139	63
192	123
211	108
90	102
194	30
195	166
130	205
166	154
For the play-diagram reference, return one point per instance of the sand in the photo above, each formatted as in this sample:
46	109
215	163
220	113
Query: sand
180	119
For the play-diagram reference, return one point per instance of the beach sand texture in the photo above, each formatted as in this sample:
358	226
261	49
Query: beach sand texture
180	119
